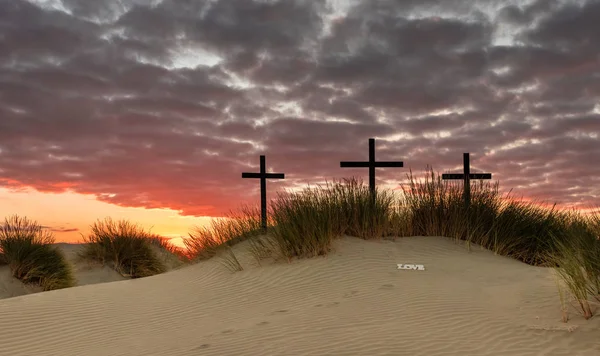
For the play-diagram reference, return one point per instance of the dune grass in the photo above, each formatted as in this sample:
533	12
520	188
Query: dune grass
512	227
27	249
577	261
366	216
300	224
171	255
205	242
306	223
126	247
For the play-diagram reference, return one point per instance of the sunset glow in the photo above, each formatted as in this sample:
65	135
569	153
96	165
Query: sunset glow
150	110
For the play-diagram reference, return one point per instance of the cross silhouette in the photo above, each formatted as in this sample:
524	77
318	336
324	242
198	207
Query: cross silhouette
467	176
263	175
371	164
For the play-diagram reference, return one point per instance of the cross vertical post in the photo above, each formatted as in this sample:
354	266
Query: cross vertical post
263	175
371	164
263	193
467	181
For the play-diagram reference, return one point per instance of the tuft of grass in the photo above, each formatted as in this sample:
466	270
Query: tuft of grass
165	244
525	230
510	227
364	215
562	295
261	247
171	255
26	248
230	260
125	246
576	261
306	223
400	221
437	208
206	241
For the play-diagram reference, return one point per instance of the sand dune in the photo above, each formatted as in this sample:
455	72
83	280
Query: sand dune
352	302
85	273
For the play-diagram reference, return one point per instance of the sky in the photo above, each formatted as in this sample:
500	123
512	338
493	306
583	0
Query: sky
149	110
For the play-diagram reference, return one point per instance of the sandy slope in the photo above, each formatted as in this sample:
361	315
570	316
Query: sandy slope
85	273
353	302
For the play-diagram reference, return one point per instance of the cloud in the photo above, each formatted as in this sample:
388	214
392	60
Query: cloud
164	103
61	229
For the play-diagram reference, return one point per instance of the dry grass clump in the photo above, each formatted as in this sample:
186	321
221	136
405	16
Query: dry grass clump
124	246
27	249
164	243
206	241
437	207
301	224
364	215
577	262
510	227
306	223
171	255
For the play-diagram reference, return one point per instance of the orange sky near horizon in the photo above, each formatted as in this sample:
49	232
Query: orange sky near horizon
69	214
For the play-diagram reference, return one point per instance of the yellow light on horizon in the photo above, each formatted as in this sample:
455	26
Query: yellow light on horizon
70	214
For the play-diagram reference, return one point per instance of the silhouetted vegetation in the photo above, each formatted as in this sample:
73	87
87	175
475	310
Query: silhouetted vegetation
206	241
306	223
508	226
127	248
27	249
577	260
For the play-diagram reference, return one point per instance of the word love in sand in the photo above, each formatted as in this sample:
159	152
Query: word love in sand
411	267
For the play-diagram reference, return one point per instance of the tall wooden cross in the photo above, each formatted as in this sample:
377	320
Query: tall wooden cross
371	164
466	176
263	175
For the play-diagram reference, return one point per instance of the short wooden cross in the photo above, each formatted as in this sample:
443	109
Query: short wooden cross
263	176
466	177
371	164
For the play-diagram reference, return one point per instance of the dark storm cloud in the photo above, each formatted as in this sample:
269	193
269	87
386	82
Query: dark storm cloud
164	103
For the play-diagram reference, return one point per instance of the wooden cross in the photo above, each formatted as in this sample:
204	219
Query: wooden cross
371	164
263	175
467	176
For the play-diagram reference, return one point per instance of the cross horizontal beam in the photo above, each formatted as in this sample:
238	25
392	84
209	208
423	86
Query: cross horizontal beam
371	164
471	176
466	176
264	175
352	164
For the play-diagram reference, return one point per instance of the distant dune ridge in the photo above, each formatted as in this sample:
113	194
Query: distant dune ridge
30	261
353	301
85	273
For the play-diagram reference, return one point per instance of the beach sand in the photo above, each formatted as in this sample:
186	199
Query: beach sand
352	302
84	272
